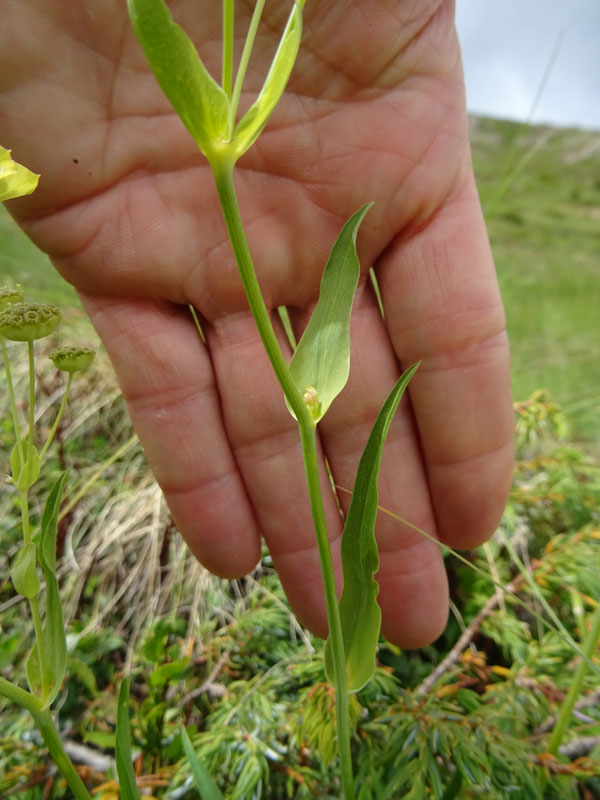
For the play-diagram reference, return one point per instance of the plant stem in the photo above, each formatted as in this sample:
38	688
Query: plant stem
45	724
309	451
244	60
50	735
11	394
24	498
31	395
227	74
58	416
19	696
589	646
223	174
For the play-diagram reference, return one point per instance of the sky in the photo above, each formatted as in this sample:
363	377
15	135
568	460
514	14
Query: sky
515	50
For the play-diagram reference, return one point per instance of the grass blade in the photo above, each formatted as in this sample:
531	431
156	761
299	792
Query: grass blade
127	782
206	786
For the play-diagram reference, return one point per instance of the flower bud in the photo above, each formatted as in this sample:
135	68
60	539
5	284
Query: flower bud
25	322
10	295
312	402
72	359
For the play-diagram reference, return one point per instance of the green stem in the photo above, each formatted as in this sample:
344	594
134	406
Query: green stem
65	766
227	74
244	60
223	174
309	451
50	735
11	394
589	646
31	396
58	416
19	696
24	497
224	180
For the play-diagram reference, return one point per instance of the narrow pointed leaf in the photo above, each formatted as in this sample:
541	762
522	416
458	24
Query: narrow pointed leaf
359	611
198	99
127	782
255	119
321	362
206	786
54	638
54	629
50	524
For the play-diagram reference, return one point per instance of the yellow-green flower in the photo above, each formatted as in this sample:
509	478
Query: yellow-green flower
15	179
10	295
72	359
25	322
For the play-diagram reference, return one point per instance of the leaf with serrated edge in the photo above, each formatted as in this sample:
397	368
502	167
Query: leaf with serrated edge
200	102
321	362
359	612
206	786
254	120
127	782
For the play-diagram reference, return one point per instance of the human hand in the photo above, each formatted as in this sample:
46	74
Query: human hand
127	210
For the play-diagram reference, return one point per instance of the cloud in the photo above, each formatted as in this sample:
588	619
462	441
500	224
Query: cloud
508	48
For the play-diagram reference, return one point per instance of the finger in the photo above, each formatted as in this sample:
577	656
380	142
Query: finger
413	589
443	307
166	376
267	449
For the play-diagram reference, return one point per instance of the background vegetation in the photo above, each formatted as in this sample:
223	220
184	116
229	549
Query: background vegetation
470	716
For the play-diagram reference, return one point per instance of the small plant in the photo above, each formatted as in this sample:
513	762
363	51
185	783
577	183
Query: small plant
46	664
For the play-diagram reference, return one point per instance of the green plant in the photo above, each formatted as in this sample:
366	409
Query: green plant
465	734
46	664
320	365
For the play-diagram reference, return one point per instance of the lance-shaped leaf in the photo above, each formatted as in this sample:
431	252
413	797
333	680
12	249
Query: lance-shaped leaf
127	782
194	94
15	179
359	611
321	362
206	786
24	573
54	629
254	120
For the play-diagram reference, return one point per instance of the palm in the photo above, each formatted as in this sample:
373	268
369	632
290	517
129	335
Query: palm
127	209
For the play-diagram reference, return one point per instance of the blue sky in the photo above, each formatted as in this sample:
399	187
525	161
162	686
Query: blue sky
508	47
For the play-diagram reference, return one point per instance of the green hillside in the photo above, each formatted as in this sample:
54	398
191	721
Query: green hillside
540	189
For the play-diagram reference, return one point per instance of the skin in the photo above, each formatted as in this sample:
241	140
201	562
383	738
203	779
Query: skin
127	210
